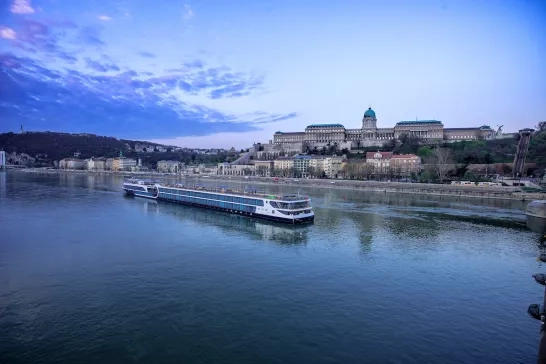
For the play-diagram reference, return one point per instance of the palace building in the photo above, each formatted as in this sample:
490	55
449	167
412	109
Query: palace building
368	135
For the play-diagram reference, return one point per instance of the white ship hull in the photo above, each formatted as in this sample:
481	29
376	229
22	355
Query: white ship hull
291	209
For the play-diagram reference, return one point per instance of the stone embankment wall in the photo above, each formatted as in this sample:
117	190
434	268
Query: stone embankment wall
511	193
399	187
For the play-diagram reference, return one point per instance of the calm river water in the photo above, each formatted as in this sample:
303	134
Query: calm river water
90	276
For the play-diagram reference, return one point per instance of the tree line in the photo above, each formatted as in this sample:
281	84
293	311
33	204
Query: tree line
48	147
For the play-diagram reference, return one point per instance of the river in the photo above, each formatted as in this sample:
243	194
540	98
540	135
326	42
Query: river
88	275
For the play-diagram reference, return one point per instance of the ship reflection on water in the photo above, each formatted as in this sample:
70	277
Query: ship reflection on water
537	225
258	229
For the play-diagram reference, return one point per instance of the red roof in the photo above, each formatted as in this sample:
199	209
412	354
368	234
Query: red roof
384	155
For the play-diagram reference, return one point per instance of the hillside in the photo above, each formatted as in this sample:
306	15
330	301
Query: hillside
466	152
46	147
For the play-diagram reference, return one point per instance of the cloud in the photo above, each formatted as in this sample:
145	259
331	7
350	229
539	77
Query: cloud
22	7
42	38
91	36
7	33
100	67
146	54
36	35
124	105
214	83
129	74
188	12
8	60
235	88
194	64
67	57
33	28
104	17
226	140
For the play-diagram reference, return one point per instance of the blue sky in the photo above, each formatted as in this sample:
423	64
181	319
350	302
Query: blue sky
216	73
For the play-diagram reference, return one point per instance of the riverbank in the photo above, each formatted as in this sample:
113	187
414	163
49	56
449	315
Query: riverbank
484	192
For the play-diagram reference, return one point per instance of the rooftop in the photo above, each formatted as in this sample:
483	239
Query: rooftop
325	126
372	155
404	156
369	113
418	122
457	129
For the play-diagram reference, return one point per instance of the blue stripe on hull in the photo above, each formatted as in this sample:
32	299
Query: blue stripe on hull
140	194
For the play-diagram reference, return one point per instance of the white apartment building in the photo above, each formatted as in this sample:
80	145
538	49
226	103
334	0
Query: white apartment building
283	163
170	167
227	169
127	164
96	164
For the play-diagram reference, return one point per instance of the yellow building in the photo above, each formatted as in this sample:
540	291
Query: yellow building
115	164
283	163
397	165
331	166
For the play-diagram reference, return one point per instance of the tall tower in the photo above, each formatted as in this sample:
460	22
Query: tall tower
369	120
521	152
369	126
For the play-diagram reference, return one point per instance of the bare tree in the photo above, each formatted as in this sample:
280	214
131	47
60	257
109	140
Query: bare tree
367	170
442	159
349	170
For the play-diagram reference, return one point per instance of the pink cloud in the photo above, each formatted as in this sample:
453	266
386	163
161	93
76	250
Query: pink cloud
9	61
7	33
22	7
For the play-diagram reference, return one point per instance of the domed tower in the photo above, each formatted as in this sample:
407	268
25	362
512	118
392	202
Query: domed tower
369	127
369	120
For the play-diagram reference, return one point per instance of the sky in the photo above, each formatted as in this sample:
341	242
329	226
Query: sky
217	73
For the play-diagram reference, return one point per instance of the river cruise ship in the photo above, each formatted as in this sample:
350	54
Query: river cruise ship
292	209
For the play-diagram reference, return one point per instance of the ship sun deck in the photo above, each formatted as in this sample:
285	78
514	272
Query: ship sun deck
246	192
286	202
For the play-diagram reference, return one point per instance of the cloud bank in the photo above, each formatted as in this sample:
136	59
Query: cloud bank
58	76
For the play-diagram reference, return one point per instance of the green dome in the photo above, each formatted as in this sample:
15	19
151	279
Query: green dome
369	113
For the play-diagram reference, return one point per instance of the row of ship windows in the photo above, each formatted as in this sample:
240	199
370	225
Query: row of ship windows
289	205
226	198
134	188
294	212
210	203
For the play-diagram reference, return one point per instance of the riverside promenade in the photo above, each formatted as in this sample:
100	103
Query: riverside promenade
482	192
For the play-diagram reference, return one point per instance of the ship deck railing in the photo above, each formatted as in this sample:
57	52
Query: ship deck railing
239	192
